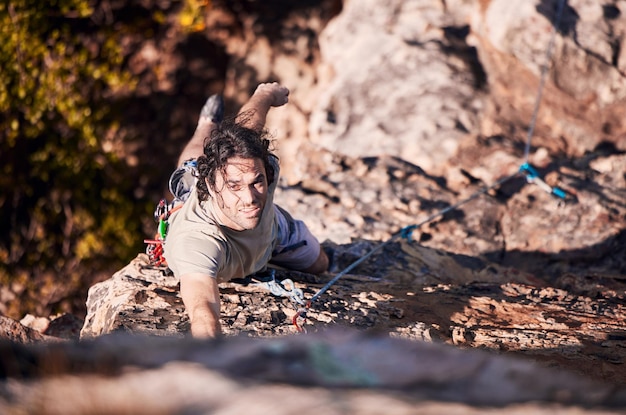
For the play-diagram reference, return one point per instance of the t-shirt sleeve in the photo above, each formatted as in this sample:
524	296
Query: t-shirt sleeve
193	253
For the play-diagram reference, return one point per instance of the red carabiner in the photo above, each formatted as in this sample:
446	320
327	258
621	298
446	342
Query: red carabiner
301	313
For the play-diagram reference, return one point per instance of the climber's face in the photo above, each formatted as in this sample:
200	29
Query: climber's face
240	193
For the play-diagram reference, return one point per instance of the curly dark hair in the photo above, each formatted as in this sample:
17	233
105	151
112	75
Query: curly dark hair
227	140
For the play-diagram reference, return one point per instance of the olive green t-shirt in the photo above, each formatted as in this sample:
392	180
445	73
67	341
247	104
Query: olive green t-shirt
197	243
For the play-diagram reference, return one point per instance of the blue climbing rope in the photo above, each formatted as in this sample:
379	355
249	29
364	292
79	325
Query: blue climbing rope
407	231
404	233
542	81
525	168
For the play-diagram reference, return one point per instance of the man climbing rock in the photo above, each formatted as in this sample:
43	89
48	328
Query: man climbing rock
228	226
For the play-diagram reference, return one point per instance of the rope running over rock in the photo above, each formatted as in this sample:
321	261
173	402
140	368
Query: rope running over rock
525	169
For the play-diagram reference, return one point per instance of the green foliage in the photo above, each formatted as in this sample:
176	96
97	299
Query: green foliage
64	193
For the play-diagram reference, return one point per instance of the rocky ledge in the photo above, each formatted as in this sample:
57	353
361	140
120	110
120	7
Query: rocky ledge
405	290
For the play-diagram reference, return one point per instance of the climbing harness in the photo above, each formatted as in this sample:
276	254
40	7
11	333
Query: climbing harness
532	176
183	179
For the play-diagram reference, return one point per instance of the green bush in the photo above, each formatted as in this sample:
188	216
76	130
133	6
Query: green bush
65	201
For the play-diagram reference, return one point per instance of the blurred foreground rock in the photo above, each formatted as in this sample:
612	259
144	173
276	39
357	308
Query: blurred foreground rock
337	371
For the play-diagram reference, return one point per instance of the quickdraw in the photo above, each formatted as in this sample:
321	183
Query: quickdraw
533	177
154	249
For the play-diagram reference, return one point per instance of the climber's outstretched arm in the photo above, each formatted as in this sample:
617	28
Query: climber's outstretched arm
201	297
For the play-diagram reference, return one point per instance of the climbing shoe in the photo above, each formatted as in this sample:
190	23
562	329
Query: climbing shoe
213	108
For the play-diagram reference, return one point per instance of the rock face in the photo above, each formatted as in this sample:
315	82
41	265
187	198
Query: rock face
417	77
409	113
395	84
